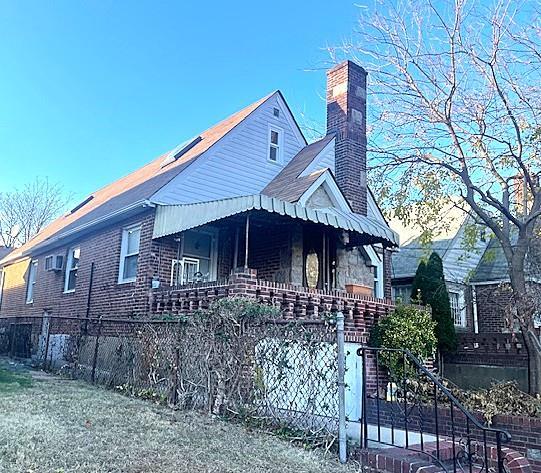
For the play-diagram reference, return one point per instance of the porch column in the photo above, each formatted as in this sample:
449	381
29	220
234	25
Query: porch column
246	240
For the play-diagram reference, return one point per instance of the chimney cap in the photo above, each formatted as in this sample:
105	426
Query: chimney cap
350	65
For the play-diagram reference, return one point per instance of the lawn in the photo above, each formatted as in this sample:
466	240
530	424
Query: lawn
50	424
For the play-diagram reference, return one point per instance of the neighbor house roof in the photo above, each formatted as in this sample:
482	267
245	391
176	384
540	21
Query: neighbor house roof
405	261
137	187
492	266
289	185
4	251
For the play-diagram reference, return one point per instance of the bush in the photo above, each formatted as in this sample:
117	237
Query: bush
407	327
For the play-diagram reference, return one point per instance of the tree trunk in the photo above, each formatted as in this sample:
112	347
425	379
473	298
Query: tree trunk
525	308
534	367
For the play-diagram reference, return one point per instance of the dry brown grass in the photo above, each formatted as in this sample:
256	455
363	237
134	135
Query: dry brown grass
58	425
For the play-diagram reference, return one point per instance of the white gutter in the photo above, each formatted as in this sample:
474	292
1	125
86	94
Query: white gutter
474	307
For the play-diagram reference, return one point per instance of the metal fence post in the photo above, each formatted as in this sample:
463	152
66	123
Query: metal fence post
96	349
342	439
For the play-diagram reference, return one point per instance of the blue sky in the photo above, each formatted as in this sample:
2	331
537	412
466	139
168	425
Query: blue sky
92	90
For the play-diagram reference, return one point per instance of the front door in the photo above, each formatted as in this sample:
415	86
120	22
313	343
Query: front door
319	248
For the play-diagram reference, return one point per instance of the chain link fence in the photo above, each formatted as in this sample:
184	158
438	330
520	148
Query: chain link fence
228	360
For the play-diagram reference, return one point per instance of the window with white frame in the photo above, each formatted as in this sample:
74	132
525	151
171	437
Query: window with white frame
2	276
402	293
32	273
198	258
275	148
377	276
376	261
129	254
72	265
458	308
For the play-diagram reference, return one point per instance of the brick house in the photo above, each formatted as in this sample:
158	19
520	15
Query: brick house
247	193
489	347
458	266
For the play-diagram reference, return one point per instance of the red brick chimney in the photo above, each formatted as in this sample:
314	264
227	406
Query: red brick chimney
346	118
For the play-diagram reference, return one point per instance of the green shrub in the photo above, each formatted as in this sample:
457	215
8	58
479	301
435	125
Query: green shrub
407	327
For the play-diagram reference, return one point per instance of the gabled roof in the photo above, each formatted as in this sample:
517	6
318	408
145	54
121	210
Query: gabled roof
493	266
4	251
287	185
138	186
405	261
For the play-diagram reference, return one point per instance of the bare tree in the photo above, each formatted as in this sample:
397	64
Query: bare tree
25	212
456	111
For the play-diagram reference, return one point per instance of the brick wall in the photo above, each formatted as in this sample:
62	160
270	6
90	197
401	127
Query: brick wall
107	296
494	349
492	301
270	252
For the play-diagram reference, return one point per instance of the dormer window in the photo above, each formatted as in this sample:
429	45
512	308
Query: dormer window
275	140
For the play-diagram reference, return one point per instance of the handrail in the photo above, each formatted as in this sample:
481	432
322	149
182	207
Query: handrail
439	384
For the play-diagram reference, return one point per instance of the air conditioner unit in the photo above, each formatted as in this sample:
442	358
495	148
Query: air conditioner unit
54	263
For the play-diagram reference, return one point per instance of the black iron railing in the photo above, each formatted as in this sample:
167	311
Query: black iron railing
412	409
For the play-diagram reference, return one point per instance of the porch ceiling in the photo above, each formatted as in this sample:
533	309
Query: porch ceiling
171	219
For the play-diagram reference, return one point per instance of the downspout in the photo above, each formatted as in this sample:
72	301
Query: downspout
474	308
88	298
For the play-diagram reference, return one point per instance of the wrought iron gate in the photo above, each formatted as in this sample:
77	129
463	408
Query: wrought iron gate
415	411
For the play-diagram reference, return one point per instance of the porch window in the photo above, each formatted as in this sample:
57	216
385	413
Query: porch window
198	258
129	254
458	308
72	266
376	260
32	272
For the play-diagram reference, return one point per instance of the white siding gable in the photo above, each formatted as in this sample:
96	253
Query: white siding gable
324	159
238	163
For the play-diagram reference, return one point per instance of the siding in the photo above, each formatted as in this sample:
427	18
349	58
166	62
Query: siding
237	165
325	159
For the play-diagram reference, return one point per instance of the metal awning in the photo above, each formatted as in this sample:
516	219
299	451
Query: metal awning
171	219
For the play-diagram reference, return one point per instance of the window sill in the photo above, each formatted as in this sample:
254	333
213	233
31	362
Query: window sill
29	302
127	281
276	163
69	291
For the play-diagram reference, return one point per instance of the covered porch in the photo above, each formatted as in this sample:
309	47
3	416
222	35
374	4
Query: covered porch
280	245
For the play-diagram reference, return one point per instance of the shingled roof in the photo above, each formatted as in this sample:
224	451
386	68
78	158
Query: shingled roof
138	186
287	185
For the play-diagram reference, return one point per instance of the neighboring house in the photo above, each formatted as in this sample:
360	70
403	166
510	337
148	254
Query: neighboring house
248	192
4	251
458	265
489	348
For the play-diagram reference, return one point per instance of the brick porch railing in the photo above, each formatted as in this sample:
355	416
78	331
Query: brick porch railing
295	302
497	349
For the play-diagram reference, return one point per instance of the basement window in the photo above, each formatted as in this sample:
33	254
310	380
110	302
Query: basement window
275	145
129	254
72	265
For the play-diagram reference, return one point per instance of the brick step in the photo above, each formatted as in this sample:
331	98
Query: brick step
401	460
